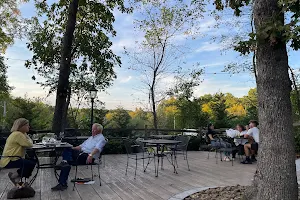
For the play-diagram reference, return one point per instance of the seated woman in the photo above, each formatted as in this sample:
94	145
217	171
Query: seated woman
217	142
16	145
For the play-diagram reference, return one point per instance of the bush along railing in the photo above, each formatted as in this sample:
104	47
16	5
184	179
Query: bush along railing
115	137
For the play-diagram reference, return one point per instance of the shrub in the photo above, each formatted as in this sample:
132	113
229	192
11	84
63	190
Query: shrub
195	143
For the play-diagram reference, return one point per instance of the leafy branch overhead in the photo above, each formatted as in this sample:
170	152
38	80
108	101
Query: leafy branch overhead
92	60
10	22
273	30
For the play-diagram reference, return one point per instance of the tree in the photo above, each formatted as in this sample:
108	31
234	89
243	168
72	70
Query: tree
118	118
4	87
161	22
71	49
10	22
275	177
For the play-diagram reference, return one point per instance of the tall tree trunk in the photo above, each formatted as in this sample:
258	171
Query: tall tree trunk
275	177
64	71
154	109
65	112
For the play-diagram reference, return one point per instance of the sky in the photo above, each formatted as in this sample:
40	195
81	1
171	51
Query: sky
124	92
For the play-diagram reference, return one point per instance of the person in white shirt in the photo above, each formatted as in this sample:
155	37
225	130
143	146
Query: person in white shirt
252	147
90	150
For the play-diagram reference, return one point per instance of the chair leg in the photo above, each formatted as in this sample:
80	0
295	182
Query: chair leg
135	167
92	172
75	177
147	164
221	155
175	159
127	165
187	162
162	162
208	155
103	160
99	173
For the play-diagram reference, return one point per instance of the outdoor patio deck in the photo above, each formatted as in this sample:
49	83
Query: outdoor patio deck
116	185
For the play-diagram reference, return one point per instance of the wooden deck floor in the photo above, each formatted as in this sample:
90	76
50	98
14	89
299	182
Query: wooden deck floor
116	185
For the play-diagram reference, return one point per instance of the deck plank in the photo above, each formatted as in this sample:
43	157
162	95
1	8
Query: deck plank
118	186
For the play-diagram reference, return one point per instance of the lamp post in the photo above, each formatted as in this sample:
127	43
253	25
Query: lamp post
93	95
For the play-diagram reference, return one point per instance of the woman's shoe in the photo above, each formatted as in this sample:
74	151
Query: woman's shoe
14	178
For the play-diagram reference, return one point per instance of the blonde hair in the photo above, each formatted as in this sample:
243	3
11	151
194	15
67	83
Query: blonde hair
99	127
19	123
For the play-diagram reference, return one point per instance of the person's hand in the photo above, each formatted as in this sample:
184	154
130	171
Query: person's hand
89	160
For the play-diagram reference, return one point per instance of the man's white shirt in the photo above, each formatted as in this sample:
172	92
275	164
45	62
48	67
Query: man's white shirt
254	132
93	142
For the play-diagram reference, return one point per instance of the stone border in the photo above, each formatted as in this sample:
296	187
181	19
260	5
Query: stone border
185	194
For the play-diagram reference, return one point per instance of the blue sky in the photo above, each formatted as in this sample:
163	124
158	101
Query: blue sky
123	93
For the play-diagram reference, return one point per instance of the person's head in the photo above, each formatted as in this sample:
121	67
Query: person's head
97	129
21	125
253	123
240	127
210	126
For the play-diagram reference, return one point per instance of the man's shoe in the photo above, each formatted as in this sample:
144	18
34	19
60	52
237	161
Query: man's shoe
61	165
246	162
59	187
253	160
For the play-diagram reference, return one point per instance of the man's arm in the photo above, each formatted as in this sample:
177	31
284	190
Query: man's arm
78	148
97	149
210	137
249	134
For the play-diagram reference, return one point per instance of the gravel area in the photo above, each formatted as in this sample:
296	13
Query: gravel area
220	193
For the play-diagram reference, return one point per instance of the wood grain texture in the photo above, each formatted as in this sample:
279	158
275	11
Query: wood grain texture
116	185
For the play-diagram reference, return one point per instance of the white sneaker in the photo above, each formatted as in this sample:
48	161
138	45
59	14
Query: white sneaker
226	159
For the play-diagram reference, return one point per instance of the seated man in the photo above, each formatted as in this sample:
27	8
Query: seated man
252	147
91	149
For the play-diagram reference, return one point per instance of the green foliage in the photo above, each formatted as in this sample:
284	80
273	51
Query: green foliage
118	118
4	87
92	58
38	113
10	22
273	31
114	147
195	143
81	118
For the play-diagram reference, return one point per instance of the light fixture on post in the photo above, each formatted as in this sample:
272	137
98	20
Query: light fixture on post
93	95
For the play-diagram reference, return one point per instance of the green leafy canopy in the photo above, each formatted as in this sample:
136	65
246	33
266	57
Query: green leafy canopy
10	22
92	58
273	31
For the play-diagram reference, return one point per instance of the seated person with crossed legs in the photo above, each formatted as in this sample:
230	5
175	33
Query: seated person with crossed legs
16	145
91	150
251	148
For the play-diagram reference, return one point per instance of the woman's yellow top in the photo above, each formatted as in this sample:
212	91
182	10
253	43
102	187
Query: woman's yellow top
15	145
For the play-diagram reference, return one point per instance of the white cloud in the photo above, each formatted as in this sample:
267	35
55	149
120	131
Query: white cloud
125	80
207	47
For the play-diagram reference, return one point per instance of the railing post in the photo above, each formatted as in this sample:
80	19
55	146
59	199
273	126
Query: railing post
146	132
200	132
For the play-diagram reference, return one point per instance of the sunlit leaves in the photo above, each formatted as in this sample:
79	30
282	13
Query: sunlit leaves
10	22
92	58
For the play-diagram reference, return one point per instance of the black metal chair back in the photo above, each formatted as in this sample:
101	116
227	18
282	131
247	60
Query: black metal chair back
132	147
184	142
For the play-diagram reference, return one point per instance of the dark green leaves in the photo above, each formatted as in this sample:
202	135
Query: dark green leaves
92	59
